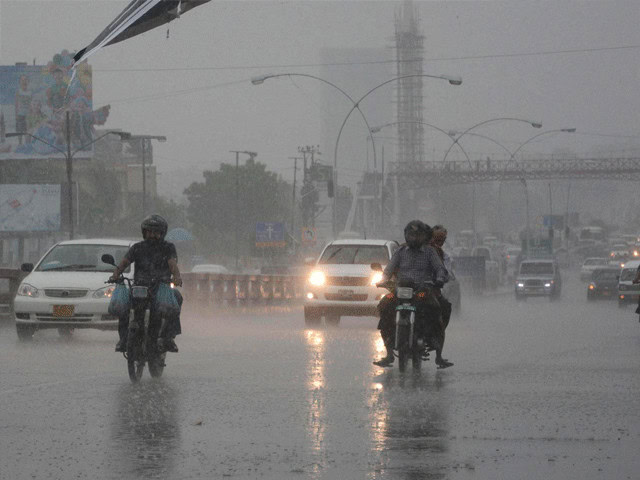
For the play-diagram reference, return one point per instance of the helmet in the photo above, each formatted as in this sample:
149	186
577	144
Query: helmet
416	233
154	223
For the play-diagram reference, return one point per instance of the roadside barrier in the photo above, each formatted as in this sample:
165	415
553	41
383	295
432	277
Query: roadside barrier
228	290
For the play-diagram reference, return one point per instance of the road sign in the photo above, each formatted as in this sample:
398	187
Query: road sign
309	235
270	234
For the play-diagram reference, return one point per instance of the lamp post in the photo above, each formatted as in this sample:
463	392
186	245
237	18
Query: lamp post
449	136
143	141
68	155
252	155
260	79
533	124
453	80
513	155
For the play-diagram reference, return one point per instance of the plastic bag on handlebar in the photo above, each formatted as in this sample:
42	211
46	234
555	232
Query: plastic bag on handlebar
120	301
165	301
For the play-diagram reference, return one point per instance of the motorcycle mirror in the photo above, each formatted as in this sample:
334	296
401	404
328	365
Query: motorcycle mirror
376	266
106	258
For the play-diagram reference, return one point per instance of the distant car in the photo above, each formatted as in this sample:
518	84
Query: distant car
589	265
628	292
604	283
619	252
342	282
209	268
539	277
66	289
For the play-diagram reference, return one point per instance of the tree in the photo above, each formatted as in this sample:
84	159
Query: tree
263	197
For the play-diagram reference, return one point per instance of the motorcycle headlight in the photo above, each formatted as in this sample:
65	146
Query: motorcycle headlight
105	292
592	286
376	278
317	278
26	290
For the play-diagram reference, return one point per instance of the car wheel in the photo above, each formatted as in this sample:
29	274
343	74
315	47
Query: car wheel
332	320
25	333
312	316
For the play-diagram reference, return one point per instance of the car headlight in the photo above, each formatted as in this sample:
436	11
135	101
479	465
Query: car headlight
547	285
520	285
592	286
105	292
27	290
376	278
317	278
636	253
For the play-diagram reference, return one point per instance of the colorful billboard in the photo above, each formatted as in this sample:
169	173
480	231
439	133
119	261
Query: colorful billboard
29	208
34	101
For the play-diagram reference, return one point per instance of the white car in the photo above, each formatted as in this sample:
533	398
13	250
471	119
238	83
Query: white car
589	265
66	289
342	282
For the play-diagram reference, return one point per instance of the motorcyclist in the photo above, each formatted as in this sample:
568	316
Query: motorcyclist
155	259
418	264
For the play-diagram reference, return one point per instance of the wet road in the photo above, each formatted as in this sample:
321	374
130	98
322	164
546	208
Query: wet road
538	390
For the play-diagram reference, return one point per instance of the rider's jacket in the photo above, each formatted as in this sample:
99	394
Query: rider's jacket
417	265
151	261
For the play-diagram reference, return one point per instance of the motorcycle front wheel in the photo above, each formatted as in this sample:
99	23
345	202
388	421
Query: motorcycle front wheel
135	357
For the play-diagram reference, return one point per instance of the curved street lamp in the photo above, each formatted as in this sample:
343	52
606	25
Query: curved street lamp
533	124
453	80
522	180
68	154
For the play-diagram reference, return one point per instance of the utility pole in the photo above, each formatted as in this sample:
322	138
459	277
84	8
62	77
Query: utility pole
293	200
69	175
252	155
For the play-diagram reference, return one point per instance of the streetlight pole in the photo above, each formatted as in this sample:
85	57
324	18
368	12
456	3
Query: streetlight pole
293	199
526	194
68	155
259	80
453	80
252	155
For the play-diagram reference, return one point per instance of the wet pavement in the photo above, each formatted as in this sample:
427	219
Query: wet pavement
538	390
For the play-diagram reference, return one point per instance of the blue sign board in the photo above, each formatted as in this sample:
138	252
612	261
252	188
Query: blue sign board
270	234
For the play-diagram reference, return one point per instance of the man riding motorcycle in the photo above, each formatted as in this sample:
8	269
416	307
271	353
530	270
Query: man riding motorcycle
155	259
418	264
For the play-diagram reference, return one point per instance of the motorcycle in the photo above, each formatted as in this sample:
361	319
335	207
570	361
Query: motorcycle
409	345
142	340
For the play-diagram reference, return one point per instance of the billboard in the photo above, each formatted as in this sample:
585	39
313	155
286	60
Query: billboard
270	234
29	208
34	101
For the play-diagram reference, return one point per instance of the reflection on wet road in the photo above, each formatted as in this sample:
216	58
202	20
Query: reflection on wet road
548	388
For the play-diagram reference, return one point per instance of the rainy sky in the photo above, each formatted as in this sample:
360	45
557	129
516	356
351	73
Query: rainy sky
561	63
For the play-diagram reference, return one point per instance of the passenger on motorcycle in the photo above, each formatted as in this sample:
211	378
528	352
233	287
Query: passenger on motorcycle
418	264
155	259
437	242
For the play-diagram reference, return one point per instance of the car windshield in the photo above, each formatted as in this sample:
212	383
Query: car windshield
536	268
81	258
605	275
628	274
354	255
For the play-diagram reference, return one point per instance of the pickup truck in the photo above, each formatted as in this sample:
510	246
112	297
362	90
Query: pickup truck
538	277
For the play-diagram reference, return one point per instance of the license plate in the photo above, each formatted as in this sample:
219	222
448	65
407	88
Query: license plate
345	293
63	310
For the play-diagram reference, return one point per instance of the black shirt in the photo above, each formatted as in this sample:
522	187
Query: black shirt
151	261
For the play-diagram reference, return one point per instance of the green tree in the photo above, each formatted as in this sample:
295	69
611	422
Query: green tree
263	197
